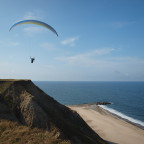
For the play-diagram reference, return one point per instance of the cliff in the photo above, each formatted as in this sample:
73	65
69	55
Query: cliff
23	102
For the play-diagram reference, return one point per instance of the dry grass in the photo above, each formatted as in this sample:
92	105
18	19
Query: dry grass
12	80
12	133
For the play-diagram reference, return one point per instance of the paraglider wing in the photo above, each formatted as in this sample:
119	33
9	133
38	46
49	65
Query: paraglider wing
34	22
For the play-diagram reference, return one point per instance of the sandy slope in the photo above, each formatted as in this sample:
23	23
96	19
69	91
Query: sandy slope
109	127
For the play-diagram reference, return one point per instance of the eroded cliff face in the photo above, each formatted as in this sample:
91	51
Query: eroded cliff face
25	103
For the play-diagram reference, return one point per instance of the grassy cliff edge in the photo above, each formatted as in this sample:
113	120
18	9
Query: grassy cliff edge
26	110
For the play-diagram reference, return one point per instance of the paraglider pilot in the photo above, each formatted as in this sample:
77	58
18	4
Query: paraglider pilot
32	59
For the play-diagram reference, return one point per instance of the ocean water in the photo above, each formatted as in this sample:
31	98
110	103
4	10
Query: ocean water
127	98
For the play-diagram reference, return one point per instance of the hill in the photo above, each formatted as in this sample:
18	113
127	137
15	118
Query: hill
26	110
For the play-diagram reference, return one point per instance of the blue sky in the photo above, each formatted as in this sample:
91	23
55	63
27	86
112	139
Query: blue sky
99	40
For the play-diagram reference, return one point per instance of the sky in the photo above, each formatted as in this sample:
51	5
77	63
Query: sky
99	40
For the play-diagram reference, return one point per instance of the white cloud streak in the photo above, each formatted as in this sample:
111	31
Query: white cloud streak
32	15
119	24
7	43
32	30
105	66
117	68
70	41
86	58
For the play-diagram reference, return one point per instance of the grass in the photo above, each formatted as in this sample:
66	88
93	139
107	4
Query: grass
12	80
12	133
3	87
5	83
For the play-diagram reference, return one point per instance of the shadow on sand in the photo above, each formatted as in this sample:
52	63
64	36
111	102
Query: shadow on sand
109	142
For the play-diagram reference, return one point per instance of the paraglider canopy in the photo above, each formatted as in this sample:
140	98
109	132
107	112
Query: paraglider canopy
34	22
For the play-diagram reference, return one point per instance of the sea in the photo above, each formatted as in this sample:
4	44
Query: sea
127	98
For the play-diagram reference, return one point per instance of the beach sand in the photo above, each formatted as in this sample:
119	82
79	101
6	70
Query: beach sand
110	127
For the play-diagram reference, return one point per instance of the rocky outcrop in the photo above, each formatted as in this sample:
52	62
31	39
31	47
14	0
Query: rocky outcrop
103	103
22	101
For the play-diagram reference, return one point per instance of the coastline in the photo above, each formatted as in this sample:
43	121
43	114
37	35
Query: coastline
109	126
127	120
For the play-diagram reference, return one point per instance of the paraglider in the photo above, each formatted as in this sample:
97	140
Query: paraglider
36	22
32	59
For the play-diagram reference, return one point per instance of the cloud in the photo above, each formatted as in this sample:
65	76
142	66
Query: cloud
86	58
70	41
99	65
96	52
32	15
32	30
122	24
100	60
48	46
8	43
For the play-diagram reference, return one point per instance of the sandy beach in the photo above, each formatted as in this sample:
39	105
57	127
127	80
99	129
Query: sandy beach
108	126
